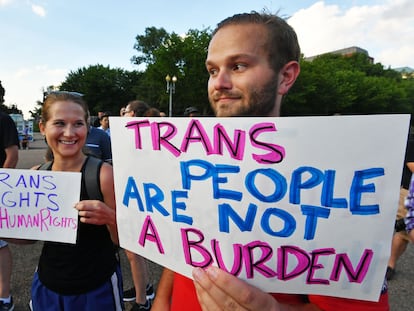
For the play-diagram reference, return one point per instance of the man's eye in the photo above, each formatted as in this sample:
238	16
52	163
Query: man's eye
59	123
212	72
239	67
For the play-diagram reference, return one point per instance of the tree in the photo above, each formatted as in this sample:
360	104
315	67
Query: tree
36	113
333	84
182	56
147	44
104	88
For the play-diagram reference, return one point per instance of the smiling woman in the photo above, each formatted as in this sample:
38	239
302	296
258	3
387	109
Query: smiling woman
86	275
64	124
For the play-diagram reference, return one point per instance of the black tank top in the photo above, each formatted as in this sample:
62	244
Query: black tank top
73	269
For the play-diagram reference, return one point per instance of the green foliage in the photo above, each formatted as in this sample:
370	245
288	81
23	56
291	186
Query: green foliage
104	88
147	44
9	110
333	84
182	56
4	108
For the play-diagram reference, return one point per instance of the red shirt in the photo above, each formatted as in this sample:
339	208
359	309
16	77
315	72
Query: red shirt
184	298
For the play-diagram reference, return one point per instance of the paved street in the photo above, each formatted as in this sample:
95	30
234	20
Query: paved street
25	257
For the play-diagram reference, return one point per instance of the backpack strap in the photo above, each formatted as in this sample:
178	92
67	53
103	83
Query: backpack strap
92	179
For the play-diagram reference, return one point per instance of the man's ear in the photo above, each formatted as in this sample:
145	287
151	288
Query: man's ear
287	76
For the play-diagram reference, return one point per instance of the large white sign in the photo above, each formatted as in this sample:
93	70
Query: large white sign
39	205
293	205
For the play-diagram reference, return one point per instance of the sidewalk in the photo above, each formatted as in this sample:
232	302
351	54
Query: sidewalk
25	257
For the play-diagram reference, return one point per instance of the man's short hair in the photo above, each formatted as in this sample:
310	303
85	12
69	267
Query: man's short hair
139	107
282	42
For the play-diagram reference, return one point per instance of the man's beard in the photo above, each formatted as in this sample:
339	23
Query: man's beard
261	101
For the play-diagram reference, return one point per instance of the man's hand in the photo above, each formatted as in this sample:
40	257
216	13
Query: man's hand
219	290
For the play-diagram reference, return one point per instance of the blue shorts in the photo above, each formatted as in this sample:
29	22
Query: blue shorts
107	297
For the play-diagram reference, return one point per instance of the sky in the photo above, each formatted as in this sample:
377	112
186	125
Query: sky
42	41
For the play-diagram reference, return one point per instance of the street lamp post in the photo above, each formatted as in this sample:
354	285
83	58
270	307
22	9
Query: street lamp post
171	90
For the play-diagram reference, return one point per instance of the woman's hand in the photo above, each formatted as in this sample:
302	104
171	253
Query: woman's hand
95	212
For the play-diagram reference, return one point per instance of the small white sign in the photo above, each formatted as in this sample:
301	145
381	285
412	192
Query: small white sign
39	205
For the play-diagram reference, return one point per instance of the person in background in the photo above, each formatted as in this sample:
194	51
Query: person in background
143	291
152	112
191	112
122	111
409	205
96	119
9	156
400	238
252	61
25	138
104	122
136	108
98	144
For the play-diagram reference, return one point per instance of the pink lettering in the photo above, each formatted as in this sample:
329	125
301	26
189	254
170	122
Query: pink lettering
235	147
149	232
276	154
196	246
258	265
301	257
354	275
314	265
202	137
258	257
163	134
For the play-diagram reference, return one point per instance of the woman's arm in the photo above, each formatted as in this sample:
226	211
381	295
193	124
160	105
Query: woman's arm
162	300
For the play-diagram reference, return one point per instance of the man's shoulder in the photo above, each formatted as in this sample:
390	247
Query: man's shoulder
96	132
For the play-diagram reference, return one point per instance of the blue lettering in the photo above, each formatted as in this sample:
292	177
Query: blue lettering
50	196
225	193
176	205
186	176
357	188
312	213
226	212
288	228
131	192
296	184
155	199
210	171
327	198
278	180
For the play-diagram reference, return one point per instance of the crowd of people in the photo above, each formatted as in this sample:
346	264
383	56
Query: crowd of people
252	61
